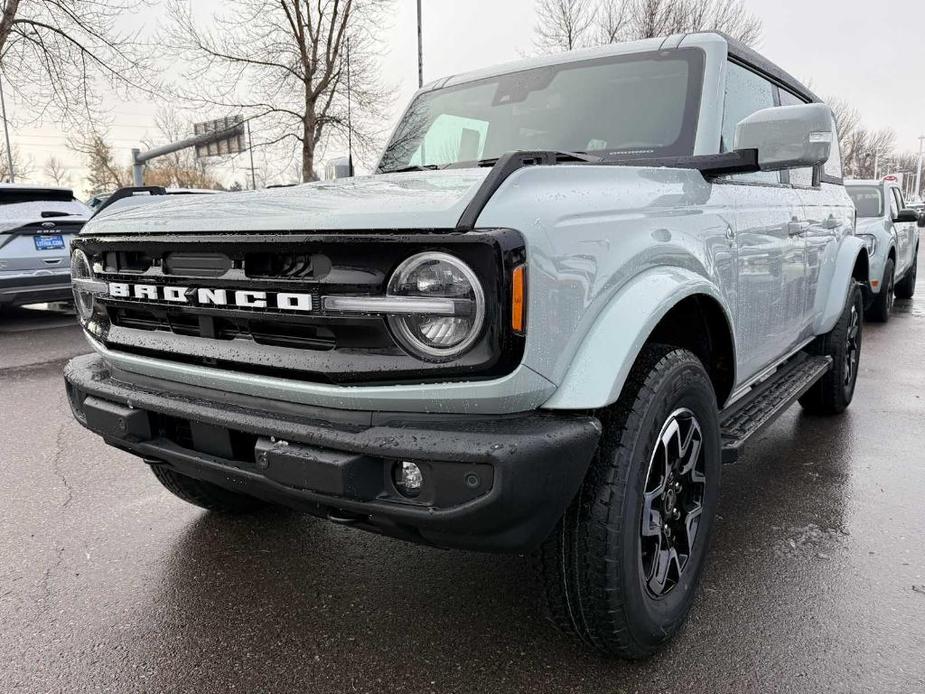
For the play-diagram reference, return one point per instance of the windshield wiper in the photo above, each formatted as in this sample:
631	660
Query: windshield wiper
417	167
549	157
53	213
541	156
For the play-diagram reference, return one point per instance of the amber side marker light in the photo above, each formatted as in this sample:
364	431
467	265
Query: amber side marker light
518	292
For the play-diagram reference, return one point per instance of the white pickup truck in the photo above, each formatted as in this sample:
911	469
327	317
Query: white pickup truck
890	231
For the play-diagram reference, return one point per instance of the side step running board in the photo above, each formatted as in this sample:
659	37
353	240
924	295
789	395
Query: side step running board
749	415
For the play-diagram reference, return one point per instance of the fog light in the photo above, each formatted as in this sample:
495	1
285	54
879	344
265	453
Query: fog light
408	478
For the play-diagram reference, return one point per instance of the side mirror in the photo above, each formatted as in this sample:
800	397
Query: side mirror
906	215
788	137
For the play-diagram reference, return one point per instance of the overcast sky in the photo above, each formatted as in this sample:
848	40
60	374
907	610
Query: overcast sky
870	53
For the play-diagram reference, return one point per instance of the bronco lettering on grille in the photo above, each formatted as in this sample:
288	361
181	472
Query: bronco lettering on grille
204	296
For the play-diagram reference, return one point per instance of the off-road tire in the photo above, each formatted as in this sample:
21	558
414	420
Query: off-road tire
833	392
905	288
880	308
205	494
591	566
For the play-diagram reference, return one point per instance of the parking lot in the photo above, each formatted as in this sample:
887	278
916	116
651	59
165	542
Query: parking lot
108	583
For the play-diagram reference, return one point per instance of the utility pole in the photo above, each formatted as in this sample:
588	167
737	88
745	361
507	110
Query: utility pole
420	50
250	150
6	131
918	171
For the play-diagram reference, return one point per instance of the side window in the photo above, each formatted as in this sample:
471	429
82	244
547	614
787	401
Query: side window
798	177
894	203
900	201
833	166
746	92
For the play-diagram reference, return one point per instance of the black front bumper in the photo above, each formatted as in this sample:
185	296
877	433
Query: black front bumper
497	483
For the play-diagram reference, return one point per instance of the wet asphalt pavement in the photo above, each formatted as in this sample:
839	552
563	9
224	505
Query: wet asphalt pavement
109	583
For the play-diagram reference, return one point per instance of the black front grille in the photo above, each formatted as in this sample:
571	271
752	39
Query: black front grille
228	444
315	344
192	264
276	333
304	266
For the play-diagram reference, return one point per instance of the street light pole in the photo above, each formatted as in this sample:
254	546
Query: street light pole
349	117
918	171
420	50
6	131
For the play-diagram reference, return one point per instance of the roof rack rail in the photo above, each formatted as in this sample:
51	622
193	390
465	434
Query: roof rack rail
128	192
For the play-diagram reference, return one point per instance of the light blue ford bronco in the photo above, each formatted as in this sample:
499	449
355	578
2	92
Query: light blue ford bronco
572	289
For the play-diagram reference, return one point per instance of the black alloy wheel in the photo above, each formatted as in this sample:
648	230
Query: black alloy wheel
672	502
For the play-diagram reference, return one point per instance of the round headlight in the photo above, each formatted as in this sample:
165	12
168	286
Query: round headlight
80	270
870	241
451	331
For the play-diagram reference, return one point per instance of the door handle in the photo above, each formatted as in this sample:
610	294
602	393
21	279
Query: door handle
797	228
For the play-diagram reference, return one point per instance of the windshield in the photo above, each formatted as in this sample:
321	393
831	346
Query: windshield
639	105
868	200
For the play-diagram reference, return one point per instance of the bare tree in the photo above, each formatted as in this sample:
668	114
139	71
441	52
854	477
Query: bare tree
847	124
651	18
284	64
23	165
104	174
55	170
728	16
880	147
563	25
52	53
611	21
864	152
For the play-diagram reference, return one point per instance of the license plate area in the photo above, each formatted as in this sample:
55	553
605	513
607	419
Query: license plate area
48	242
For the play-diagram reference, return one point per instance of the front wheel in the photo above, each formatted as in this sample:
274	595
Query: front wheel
204	494
882	305
623	566
905	288
833	392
